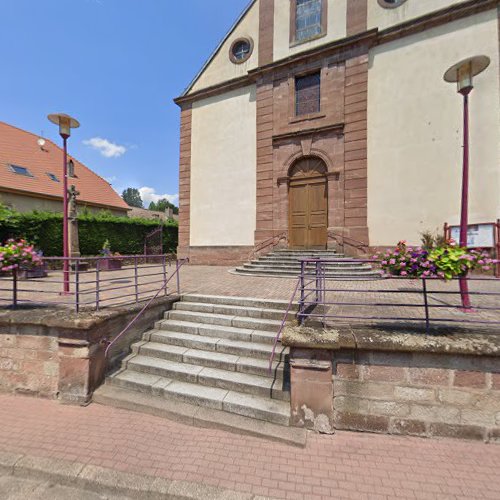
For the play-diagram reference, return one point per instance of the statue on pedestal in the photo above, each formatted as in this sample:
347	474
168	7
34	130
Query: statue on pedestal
74	245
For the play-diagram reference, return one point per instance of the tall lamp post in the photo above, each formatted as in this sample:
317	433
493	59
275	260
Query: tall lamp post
66	123
462	74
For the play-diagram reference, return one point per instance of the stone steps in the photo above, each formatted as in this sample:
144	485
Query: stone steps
196	415
286	263
210	359
213	352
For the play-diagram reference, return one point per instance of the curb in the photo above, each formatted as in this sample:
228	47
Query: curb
102	480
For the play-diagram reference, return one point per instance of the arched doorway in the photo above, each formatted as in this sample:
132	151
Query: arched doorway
308	204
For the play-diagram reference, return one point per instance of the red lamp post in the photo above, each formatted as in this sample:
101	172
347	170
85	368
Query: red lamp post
462	74
66	123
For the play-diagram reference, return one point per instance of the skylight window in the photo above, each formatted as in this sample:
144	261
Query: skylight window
21	170
53	177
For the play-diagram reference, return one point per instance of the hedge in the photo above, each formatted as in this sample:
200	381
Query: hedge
125	235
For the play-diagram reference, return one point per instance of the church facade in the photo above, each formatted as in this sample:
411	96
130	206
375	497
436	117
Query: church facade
327	124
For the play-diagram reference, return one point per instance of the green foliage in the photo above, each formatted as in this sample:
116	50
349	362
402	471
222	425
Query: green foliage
162	205
125	235
132	197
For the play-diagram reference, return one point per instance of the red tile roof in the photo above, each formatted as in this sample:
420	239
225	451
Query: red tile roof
18	147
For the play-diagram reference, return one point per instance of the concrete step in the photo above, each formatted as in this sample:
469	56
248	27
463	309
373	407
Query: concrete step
225	320
198	415
233	310
253	400
223	345
217	331
310	268
237	301
210	359
256	271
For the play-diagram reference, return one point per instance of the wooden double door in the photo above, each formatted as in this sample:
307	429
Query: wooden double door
308	212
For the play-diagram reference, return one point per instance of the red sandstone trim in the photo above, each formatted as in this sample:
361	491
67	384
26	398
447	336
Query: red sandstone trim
219	255
266	32
357	17
185	180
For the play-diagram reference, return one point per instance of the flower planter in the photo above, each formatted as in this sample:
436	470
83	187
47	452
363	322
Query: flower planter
32	272
110	264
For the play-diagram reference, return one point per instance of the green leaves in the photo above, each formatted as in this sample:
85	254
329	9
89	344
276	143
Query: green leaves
125	235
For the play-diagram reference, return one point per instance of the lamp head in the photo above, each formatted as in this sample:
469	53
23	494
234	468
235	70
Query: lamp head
464	71
65	122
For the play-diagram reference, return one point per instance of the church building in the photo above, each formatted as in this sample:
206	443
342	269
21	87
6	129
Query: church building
328	124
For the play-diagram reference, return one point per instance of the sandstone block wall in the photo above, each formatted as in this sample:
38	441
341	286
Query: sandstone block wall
417	394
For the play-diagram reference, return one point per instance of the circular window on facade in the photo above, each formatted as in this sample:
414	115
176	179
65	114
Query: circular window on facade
241	50
391	4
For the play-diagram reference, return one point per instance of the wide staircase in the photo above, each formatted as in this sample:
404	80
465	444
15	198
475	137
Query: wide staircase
286	262
207	364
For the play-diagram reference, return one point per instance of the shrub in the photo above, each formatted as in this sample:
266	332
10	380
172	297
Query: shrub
125	235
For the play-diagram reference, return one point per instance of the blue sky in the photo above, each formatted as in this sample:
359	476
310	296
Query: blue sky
115	65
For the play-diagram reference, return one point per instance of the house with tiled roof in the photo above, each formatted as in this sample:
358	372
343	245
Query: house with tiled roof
31	176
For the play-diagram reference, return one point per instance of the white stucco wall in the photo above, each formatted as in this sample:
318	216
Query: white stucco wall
379	17
336	28
415	131
221	68
223	169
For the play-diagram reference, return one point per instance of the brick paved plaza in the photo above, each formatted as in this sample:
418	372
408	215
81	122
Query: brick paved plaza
219	280
346	465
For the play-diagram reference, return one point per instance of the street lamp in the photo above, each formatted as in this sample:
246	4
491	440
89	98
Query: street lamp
66	123
462	74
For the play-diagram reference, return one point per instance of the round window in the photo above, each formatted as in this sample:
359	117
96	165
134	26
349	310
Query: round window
391	4
241	50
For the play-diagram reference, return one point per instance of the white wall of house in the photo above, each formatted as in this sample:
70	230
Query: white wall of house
223	169
336	28
415	131
382	18
221	68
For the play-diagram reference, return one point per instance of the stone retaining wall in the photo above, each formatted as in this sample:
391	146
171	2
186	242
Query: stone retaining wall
417	394
55	353
411	384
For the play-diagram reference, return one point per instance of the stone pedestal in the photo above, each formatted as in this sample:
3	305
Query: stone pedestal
81	370
311	390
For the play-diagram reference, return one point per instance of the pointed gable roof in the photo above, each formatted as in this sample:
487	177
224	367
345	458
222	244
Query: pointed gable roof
19	147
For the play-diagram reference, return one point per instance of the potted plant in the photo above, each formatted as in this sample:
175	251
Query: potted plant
446	260
110	261
21	258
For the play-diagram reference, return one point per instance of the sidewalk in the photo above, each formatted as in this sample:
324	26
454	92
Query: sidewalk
346	465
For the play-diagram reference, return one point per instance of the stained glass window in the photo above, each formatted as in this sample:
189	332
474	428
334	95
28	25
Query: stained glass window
307	19
307	94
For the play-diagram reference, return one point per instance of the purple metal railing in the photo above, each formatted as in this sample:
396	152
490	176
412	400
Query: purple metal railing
486	315
176	273
322	294
95	282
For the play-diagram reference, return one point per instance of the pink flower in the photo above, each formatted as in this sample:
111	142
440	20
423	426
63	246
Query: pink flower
486	268
404	273
392	262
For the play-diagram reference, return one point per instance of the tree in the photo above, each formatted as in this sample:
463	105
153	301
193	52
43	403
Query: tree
162	205
132	197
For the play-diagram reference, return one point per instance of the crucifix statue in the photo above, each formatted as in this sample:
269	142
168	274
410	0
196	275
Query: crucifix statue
74	246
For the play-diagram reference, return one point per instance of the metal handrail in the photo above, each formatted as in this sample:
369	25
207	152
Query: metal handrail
321	289
268	242
283	321
180	263
360	245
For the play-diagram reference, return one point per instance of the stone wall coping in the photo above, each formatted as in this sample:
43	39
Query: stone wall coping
63	319
391	340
